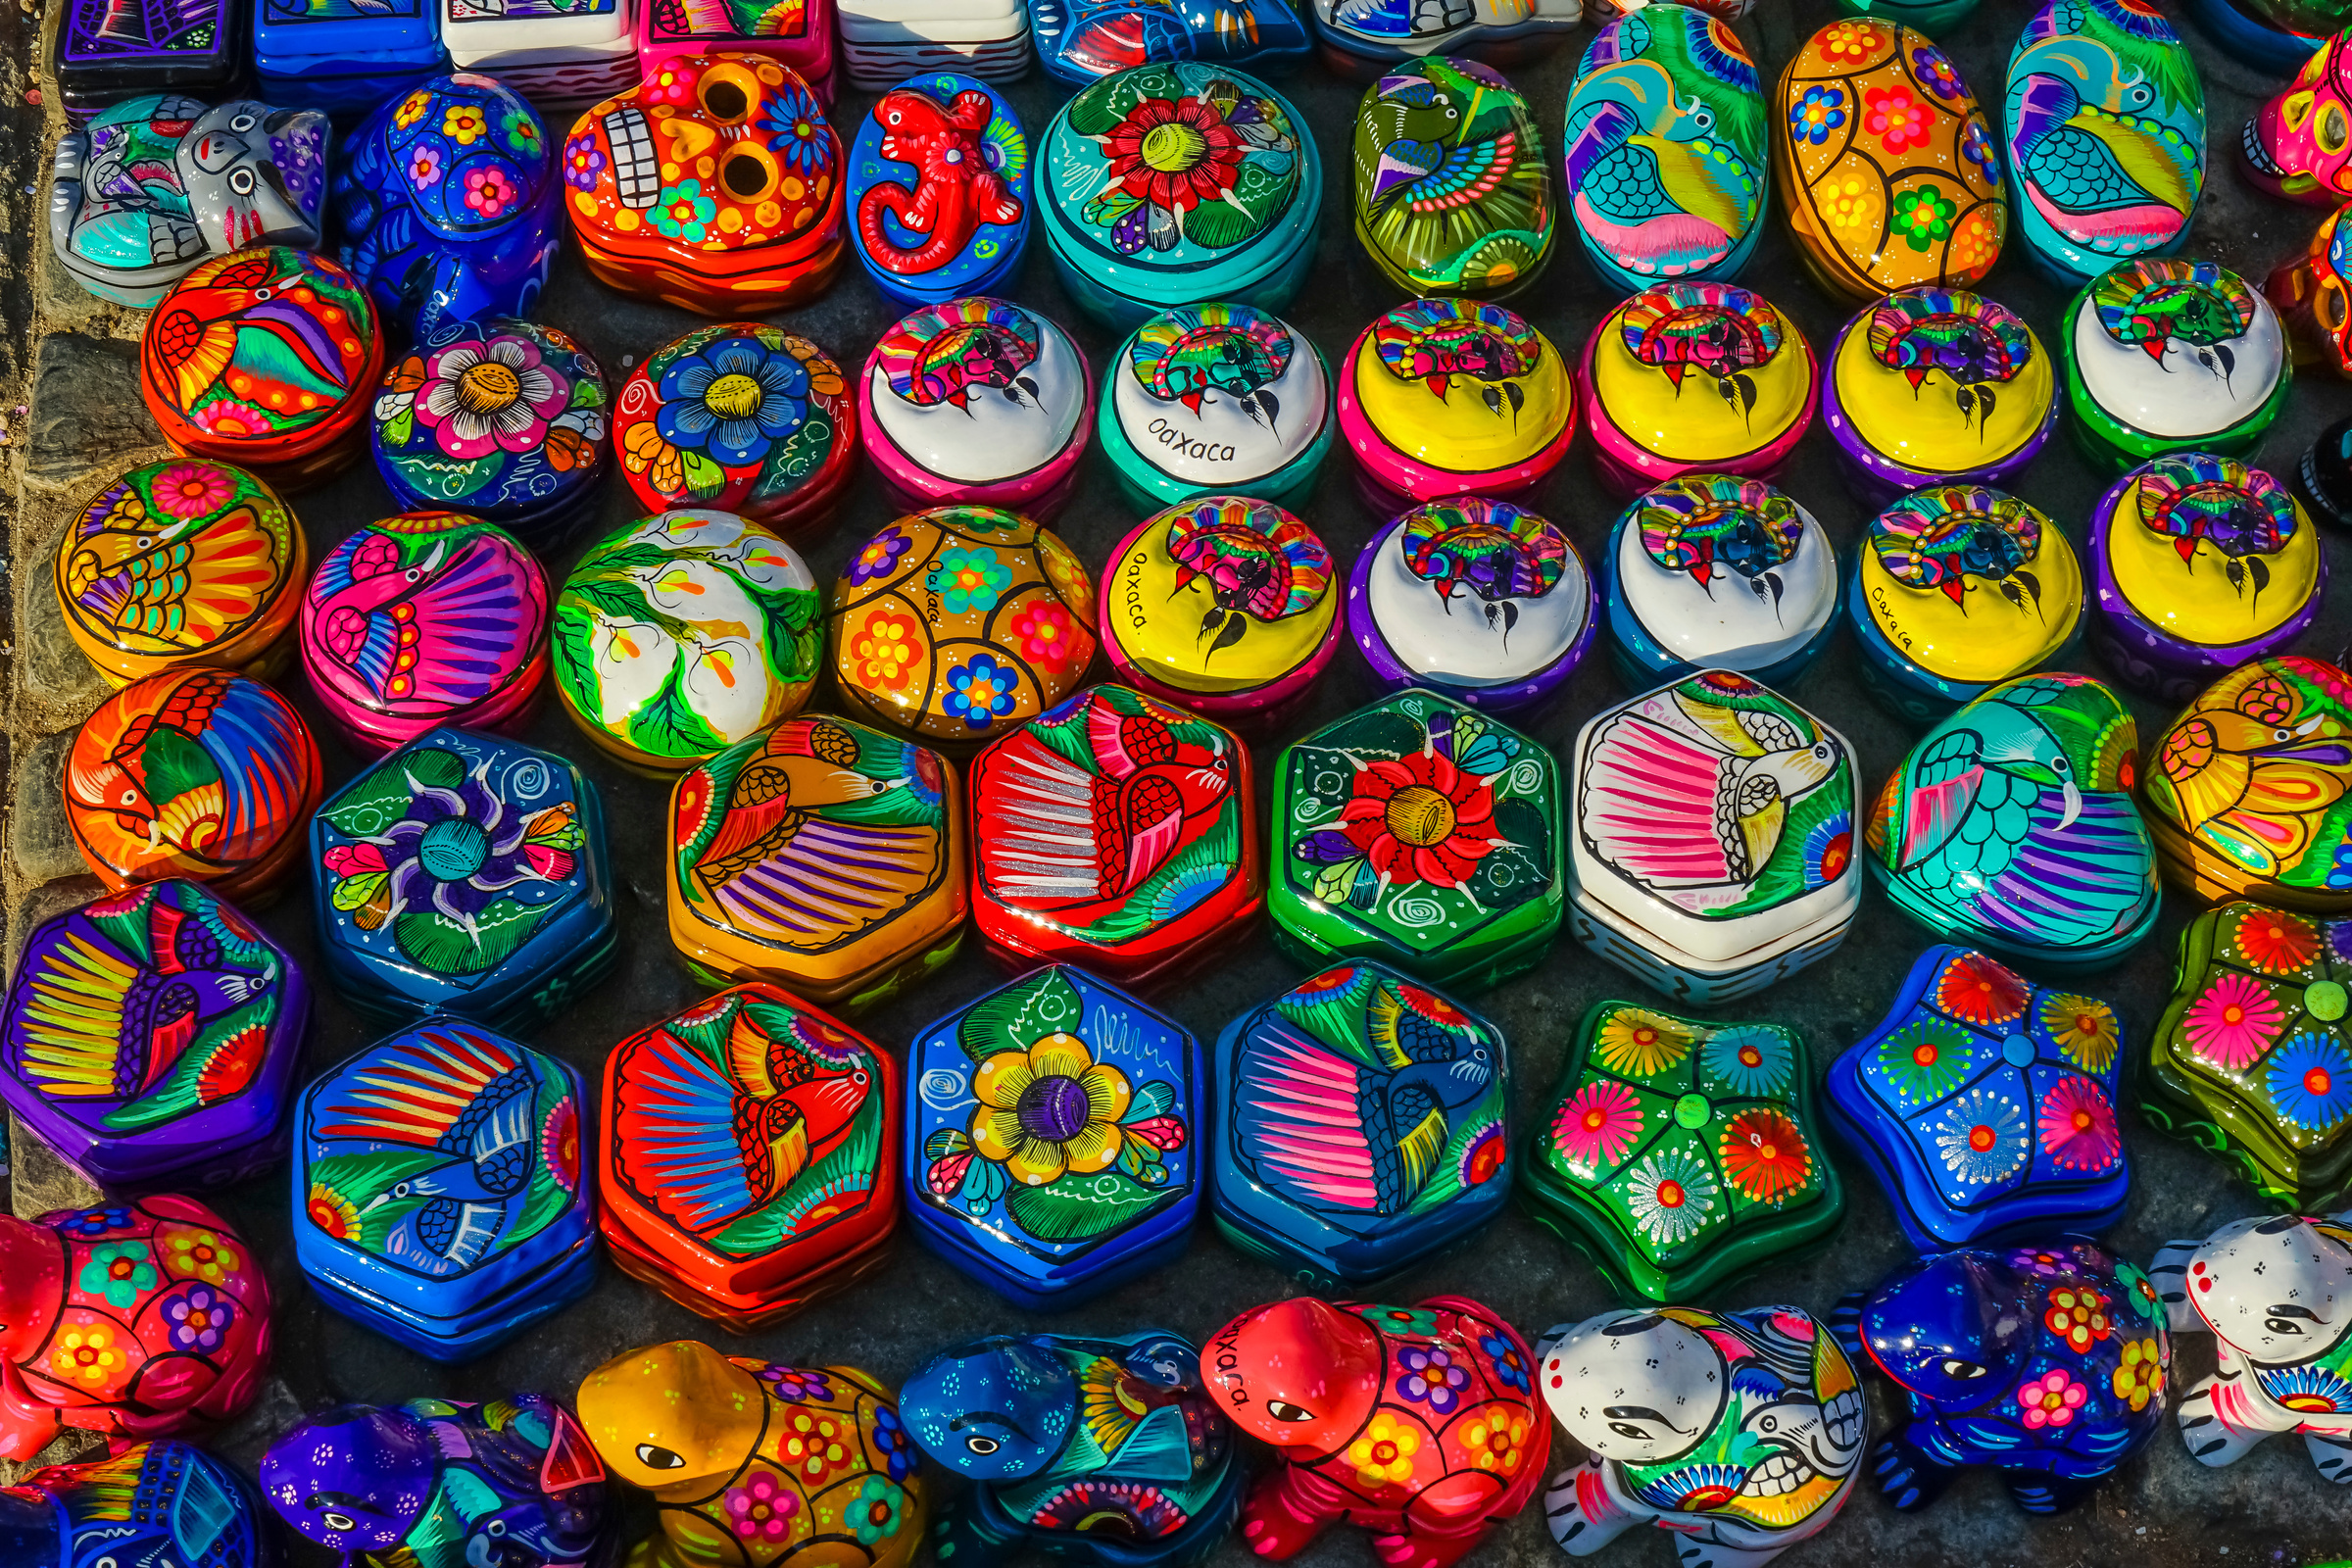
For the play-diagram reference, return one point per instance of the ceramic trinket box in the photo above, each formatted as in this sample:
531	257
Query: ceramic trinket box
1231	219
139	1320
1750	373
851	1487
1417	1423
1710	572
193	773
1215	400
793	34
1159	1482
150	1037
1050	1140
960	624
2047	1363
181	563
823	855
168	1504
1422	834
1360	1127
2276	38
1367	39
748	419
978	402
681	634
1771	1389
503	420
563	55
1957	588
2309	294
1442	398
439	1193
1477	599
2298	146
344	56
750	1164
1656	195
1712	847
2172	356
464	874
760	230
1452	195
515	1480
1081	41
1886	163
883	42
2245	794
266	360
939	178
2011	826
104	55
2322	480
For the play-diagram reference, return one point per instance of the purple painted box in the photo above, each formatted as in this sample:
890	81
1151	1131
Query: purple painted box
112	50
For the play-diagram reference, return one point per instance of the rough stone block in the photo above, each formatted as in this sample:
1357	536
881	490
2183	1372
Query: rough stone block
87	407
38	837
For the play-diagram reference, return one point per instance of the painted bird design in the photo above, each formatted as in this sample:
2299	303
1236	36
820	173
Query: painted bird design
1451	168
162	784
2257	771
243	313
431	630
137	573
1259	563
1714	525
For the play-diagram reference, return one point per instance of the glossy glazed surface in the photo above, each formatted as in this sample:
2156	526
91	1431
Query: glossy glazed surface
1451	193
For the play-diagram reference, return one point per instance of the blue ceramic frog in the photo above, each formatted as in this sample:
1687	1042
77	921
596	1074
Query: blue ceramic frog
152	1505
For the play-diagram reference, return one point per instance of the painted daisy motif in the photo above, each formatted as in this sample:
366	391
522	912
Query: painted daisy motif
1926	1059
1640	1043
1747	1060
1764	1157
2275	941
2084	1029
2078	1127
2233	1023
2310	1081
1980	990
1981	1137
1671	1193
1596	1125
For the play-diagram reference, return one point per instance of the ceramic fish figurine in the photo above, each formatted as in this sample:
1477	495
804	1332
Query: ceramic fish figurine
2298	145
1451	196
159	1505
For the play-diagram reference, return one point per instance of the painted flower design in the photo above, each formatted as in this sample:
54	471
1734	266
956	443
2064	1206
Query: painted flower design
2310	1081
1850	202
2042	1262
1896	116
733	399
1045	634
453	852
1428	1374
1402	1322
87	1354
335	1215
1384	1456
796	130
1504	1362
1850	43
2139	1376
463	124
197	1319
2275	941
2078	1126
478	398
233	418
583	161
2077	1314
1978	990
491	191
1747	1060
1670	1194
412	108
191	490
892	1441
969	581
118	1271
685	212
1638	1042
1936	72
885	649
1922	215
1975	146
424	166
1981	1137
2233	1023
1420	818
2051	1400
1496	1440
1764	1157
982	692
1829	850
1175	153
879	557
523	134
874	1513
560	1145
795	1386
1926	1059
2084	1029
97	1221
2139	1292
1597	1124
199	1254
1049	1110
1814	115
761	1510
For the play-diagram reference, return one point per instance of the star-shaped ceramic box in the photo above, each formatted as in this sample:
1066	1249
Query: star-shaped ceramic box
1422	834
1985	1104
741	1228
2252	1058
1050	1138
1712	850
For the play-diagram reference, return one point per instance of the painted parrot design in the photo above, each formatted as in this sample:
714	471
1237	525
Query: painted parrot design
427	627
1259	563
1183	354
242	314
1714	525
163	784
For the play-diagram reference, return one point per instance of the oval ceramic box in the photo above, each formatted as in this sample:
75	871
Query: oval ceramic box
1747	368
748	1238
426	619
1933	384
2106	135
268	360
960	624
1079	41
1453	396
1481	600
715	185
2198	565
2172	356
150	1039
503	420
193	773
976	400
678	635
824	856
1665	149
1367	40
1342	1156
1710	572
2314	300
1117	833
793	34
181	563
1885	162
1051	1139
1230	216
1452	195
1216	399
2298	145
464	874
1957	588
938	183
1225	606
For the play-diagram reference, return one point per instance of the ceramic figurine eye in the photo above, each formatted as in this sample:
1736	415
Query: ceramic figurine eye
2330	132
2281	1325
982	1446
240	180
1628	1431
242	122
1963	1371
338	1521
1283	1411
654	1457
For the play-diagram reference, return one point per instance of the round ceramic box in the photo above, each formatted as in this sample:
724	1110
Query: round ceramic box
464	874
2198	565
1118	834
1665	149
960	624
1479	600
503	420
1714	572
939	183
976	400
193	773
1452	195
1216	399
1694	378
268	360
181	563
2298	145
822	855
150	1038
1224	605
1221	206
681	634
1453	396
2172	356
1957	588
1935	384
426	619
747	418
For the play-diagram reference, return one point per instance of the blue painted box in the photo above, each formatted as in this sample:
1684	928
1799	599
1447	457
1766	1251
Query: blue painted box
1080	40
344	56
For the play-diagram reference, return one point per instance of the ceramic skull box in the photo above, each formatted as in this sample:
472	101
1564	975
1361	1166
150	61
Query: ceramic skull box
2299	143
167	1504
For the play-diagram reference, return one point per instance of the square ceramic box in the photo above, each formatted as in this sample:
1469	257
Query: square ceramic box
792	32
563	55
344	56
108	52
883	42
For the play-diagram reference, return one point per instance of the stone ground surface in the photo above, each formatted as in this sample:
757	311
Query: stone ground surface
2163	1510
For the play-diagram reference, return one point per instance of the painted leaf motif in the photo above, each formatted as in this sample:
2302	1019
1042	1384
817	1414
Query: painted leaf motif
1018	1016
1078	1208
